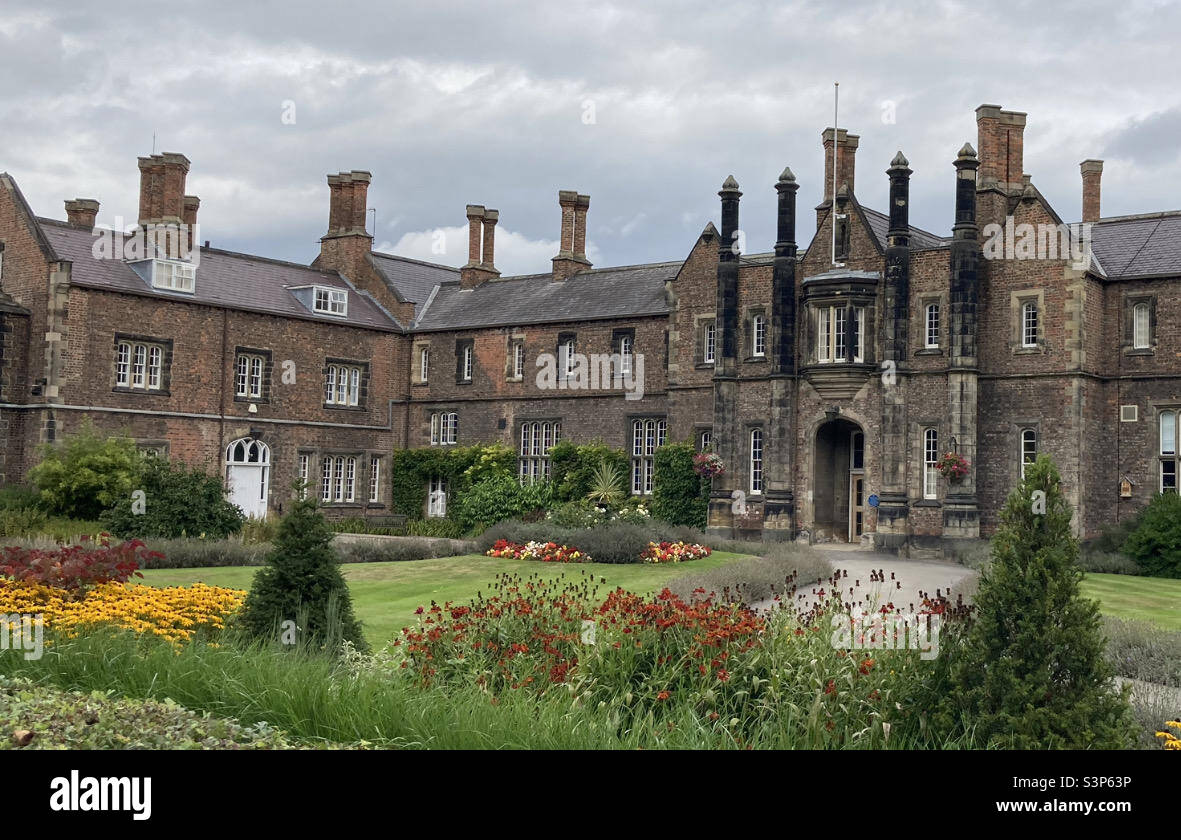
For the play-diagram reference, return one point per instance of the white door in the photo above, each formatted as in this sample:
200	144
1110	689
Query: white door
248	467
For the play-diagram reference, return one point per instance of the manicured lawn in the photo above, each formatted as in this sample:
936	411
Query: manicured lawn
385	595
1142	598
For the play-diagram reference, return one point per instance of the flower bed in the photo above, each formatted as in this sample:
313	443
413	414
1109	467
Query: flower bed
547	552
674	552
174	613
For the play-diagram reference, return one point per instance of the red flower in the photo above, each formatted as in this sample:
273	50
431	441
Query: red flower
664	695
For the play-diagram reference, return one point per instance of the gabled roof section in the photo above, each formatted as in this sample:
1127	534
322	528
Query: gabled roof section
1134	247
412	280
920	240
9	183
625	292
224	279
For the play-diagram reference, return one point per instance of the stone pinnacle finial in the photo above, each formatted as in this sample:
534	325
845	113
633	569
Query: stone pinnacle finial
730	184
899	161
967	151
787	176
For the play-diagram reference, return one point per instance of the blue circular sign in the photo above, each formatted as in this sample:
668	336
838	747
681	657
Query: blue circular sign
873	500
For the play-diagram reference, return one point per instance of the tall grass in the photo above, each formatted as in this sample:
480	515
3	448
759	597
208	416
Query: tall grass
315	698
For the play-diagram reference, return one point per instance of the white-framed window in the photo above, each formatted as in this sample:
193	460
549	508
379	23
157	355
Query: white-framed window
424	363
444	428
338	479
625	355
1029	324
248	382
930	459
706	442
568	359
758	337
519	360
304	466
436	498
174	276
330	301
465	363
832	333
374	479
342	385
537	438
709	346
1141	338
647	436
932	325
1028	448
756	461
1168	451
139	366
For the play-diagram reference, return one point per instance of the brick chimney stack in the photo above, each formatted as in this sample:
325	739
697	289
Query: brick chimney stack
82	212
347	203
1092	171
347	244
846	165
581	206
190	205
162	188
566	263
488	253
1000	137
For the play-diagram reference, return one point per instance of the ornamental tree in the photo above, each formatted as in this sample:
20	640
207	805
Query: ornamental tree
1030	671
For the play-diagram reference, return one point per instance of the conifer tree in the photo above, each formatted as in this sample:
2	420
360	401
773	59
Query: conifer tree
1030	672
302	582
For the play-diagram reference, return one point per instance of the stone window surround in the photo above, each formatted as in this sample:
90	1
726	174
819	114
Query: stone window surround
1018	428
165	345
267	369
416	362
699	324
510	357
925	300
748	330
920	442
1127	324
1017	301
362	384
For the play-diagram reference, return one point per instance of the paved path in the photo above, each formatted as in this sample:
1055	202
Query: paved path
915	576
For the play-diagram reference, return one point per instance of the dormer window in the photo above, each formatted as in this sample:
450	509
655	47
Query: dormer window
330	301
174	276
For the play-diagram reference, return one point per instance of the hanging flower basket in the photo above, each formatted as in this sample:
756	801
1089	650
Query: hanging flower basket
708	464
952	466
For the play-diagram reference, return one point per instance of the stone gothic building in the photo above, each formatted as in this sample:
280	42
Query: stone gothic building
830	373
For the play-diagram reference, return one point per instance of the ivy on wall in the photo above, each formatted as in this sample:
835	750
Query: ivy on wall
460	466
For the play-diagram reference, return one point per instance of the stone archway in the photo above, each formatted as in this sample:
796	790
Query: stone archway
838	482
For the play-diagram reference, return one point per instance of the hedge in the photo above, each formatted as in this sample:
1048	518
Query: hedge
680	495
572	467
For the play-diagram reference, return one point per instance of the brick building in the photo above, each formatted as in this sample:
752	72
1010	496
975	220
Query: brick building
829	377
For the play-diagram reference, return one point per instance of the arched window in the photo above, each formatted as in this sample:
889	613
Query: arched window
930	459
1140	326
1028	448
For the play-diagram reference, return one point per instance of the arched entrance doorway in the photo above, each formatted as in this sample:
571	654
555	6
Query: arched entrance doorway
248	468
838	485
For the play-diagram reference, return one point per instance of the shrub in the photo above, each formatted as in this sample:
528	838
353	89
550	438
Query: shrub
196	553
576	514
573	466
1030	672
260	529
21	522
606	485
178	501
302	582
460	466
399	550
680	496
1103	562
15	497
613	542
496	498
776	569
1139	650
1155	542
75	567
86	473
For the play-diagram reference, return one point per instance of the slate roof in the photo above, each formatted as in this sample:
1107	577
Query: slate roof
920	240
1131	247
413	280
600	293
224	279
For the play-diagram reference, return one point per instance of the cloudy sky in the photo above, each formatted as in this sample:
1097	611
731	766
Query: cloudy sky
645	106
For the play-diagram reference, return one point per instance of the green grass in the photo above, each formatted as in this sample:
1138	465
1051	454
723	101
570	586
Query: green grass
385	595
1141	598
